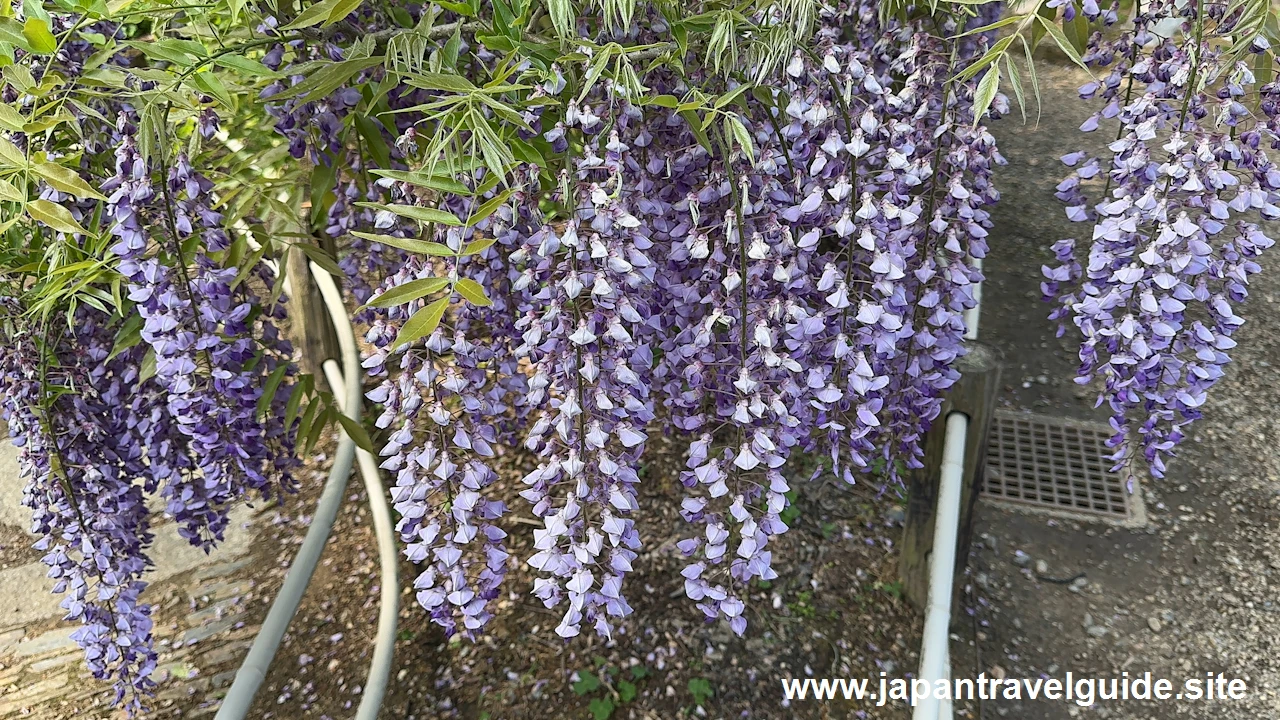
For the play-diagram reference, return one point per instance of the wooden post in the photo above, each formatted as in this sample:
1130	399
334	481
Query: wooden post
310	326
974	395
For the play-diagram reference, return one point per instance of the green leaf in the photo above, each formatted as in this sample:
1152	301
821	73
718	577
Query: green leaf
318	256
526	153
11	155
327	79
488	208
409	292
449	55
296	394
306	425
245	65
421	247
342	9
701	690
402	17
20	77
148	368
129	335
989	58
695	124
312	15
601	708
161	50
371	131
1006	20
472	292
1063	43
477	246
11	193
209	84
741	136
189	47
423	323
269	388
1077	32
1015	81
355	432
39	35
442	183
55	216
34	8
597	67
324	176
1263	68
505	112
66	180
1037	30
11	32
587	683
639	672
421	214
626	691
731	95
666	101
457	7
441	82
11	119
986	92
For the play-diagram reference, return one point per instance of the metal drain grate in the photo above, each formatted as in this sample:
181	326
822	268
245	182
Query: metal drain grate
1054	465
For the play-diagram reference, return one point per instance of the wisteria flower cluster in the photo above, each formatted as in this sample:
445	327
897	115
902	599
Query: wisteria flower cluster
1176	231
163	374
801	289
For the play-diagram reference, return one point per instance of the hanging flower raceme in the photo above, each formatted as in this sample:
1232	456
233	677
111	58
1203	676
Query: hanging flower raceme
439	403
1175	232
743	385
196	321
82	434
584	323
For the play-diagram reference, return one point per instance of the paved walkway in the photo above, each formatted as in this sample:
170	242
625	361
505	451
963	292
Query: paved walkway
199	612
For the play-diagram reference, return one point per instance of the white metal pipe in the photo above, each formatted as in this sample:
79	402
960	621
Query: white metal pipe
389	602
253	670
971	315
934	655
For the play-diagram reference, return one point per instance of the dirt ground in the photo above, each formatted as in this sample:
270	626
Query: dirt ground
836	610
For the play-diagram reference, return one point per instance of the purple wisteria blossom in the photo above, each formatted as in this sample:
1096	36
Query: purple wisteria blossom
1175	234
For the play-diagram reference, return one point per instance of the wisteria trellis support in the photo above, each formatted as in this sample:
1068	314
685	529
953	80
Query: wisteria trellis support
346	383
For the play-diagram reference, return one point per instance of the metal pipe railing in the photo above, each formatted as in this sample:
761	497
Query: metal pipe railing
252	671
935	653
389	606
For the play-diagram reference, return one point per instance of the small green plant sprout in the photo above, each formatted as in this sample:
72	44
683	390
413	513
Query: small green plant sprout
701	690
892	588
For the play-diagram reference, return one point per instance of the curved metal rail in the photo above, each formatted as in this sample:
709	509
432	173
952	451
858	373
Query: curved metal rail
346	386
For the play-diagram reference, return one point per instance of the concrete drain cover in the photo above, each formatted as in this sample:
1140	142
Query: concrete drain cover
1057	466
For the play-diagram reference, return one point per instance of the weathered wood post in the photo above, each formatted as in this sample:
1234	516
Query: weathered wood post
311	330
974	395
